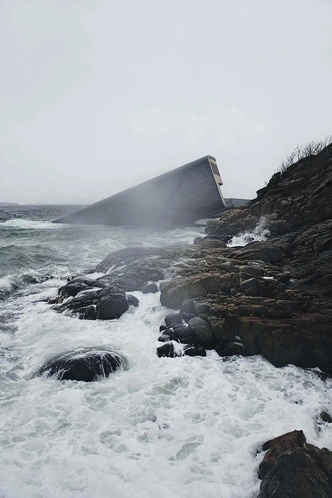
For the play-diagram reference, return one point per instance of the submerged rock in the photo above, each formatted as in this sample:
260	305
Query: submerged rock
325	417
192	350
293	468
81	365
96	300
132	300
168	350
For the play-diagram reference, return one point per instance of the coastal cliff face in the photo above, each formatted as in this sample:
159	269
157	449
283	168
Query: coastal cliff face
274	295
271	297
299	196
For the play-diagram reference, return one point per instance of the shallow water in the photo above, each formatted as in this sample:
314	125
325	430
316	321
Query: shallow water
182	427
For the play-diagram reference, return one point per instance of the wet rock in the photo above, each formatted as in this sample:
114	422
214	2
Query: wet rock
325	417
150	288
250	287
132	300
197	240
202	333
187	307
194	350
129	284
232	222
79	303
173	319
144	264
112	306
105	303
72	289
233	346
223	238
174	292
77	285
293	468
254	271
268	252
81	365
305	341
210	243
167	350
90	313
165	338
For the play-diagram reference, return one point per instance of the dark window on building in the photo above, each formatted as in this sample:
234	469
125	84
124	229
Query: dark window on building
215	169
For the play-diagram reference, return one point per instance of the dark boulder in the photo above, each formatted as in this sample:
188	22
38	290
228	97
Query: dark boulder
292	468
181	333
210	243
194	350
150	288
325	417
112	306
81	365
107	303
201	332
187	316
164	338
71	289
177	290
128	283
79	303
90	313
132	300
223	238
167	350
196	333
77	285
173	319
233	346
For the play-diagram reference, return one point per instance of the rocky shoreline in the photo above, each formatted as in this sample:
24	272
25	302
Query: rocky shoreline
271	298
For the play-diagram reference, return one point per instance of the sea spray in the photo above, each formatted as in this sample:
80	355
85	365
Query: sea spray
258	234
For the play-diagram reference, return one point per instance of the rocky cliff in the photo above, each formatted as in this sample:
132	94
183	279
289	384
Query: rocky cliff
271	298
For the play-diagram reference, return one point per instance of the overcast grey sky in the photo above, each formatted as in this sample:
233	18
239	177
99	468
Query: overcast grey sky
98	95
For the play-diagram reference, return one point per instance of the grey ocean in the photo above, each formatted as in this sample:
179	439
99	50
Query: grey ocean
181	427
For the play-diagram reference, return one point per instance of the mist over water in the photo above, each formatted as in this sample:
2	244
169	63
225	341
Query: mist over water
181	427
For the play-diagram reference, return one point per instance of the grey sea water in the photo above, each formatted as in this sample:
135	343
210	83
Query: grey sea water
182	427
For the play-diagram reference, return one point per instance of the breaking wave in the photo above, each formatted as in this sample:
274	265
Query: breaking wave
259	234
29	224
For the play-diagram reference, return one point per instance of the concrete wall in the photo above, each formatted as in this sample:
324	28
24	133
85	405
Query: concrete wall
180	196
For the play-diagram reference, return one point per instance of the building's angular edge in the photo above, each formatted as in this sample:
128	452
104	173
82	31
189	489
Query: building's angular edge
182	195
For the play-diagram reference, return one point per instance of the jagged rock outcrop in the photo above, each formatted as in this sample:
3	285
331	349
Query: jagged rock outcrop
93	299
298	196
274	295
293	468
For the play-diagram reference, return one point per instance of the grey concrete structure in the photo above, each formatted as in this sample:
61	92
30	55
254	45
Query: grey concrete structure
180	196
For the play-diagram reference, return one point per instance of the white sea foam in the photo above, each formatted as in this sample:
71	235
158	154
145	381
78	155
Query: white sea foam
182	427
6	282
30	224
259	234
